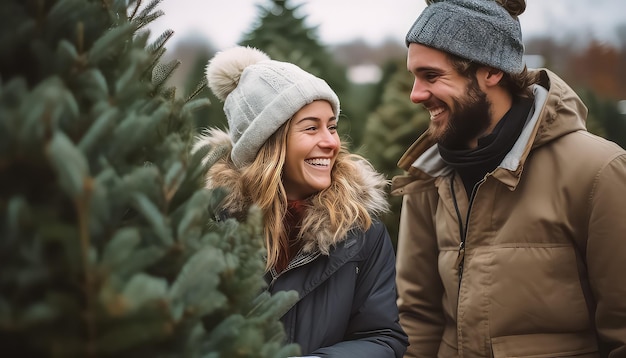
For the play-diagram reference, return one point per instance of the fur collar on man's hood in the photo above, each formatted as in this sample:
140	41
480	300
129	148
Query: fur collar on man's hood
368	188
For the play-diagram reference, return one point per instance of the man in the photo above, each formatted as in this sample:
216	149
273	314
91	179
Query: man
512	235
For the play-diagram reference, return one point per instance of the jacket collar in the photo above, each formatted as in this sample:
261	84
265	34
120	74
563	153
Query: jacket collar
553	99
344	251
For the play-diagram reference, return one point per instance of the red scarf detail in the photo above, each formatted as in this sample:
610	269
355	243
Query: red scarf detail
292	220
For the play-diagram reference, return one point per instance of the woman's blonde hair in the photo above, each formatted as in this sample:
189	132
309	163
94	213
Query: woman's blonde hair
262	183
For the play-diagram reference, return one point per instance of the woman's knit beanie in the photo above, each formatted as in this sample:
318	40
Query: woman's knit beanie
260	95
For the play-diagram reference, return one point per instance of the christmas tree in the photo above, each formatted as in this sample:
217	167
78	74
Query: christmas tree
390	130
109	246
281	31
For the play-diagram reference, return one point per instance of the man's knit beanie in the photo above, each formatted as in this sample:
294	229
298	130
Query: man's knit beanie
260	95
478	30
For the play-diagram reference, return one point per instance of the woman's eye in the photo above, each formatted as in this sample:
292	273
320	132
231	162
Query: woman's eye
333	128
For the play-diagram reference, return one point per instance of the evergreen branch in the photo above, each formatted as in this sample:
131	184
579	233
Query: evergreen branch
160	41
130	134
102	126
157	49
120	248
66	48
156	56
147	73
195	286
210	155
126	80
148	9
70	165
154	216
162	72
148	19
94	84
147	15
169	92
137	5
173	178
202	84
258	303
193	105
192	214
109	42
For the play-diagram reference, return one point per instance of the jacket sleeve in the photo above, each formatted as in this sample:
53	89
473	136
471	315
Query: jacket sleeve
374	330
419	285
606	255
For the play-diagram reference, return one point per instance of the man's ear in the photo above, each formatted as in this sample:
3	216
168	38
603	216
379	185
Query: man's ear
492	76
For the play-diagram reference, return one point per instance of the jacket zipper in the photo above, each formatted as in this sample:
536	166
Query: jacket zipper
290	266
460	260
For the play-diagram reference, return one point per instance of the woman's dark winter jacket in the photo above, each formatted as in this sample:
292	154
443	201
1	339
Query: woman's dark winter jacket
346	284
347	302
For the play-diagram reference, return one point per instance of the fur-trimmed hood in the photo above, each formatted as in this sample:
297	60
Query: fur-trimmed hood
367	187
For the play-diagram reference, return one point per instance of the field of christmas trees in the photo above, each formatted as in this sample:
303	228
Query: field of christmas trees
109	245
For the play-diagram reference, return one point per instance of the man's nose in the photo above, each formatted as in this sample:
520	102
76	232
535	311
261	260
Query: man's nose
419	93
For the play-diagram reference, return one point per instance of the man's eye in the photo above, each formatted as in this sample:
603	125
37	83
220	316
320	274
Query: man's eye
430	76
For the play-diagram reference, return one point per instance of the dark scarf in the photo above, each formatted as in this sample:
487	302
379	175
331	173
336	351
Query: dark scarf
292	220
473	164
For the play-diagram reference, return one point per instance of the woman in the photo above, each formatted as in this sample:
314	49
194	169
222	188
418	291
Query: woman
319	204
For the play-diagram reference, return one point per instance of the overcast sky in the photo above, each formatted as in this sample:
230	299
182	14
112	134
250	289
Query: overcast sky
222	22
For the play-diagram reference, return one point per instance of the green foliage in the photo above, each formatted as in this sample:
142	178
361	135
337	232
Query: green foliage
604	118
283	35
391	129
109	246
356	105
207	116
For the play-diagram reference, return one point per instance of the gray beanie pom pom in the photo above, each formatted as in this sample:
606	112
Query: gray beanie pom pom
225	69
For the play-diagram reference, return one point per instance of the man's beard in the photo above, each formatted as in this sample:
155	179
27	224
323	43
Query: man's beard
469	118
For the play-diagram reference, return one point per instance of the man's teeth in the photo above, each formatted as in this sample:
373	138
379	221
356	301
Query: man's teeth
317	161
435	112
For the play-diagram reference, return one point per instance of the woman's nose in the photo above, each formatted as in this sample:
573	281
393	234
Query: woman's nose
329	139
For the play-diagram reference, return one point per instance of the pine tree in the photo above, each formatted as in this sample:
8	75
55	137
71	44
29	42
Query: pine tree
108	243
208	116
283	34
604	118
390	130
